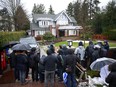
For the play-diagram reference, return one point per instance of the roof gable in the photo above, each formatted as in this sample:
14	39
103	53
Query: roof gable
63	12
52	16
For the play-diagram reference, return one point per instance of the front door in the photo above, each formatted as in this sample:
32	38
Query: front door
61	33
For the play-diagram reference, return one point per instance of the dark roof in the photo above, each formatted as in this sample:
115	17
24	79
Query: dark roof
34	26
36	16
52	16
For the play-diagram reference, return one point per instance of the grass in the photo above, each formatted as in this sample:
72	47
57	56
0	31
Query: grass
89	72
75	44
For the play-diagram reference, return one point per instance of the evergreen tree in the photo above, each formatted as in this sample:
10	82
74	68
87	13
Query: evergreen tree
109	20
39	9
51	11
70	9
22	21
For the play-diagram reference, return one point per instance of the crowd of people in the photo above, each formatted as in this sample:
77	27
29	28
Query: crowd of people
45	68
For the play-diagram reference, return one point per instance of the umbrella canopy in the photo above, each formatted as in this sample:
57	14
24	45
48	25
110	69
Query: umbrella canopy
21	47
101	62
10	44
104	72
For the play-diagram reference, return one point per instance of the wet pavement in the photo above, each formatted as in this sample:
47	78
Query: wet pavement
30	84
7	80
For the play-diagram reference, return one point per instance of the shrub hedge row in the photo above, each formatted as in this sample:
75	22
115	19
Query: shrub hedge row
111	34
5	37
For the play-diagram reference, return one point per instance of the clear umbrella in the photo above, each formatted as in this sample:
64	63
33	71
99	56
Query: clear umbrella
101	62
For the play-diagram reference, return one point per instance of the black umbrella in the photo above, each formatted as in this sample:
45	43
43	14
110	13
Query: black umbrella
10	44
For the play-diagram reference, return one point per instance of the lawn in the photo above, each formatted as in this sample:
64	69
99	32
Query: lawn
75	44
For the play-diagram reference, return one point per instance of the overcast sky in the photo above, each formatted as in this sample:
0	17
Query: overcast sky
57	5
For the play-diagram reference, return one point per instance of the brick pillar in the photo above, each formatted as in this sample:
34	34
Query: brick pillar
33	32
50	28
77	32
57	31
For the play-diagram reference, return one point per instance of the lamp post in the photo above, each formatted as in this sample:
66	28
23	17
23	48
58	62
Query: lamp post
70	43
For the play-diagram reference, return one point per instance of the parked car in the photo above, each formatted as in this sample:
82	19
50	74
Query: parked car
29	40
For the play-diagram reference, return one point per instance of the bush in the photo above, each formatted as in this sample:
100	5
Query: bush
5	37
48	36
111	34
38	37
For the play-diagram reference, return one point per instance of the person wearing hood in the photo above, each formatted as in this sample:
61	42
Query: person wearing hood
89	50
80	52
52	48
64	48
70	67
34	58
111	78
96	53
49	63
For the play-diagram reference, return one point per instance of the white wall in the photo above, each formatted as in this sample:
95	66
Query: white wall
54	32
62	20
72	32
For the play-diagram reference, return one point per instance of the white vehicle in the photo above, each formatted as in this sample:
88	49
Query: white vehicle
29	40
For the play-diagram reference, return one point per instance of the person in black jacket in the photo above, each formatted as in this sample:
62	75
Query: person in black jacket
50	62
71	61
21	65
111	78
13	63
34	58
61	62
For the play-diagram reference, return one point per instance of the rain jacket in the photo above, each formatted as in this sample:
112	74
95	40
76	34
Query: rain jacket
111	78
80	52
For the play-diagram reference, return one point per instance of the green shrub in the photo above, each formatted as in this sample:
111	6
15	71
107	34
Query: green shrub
5	37
48	36
111	34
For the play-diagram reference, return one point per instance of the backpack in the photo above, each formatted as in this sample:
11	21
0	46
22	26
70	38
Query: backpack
31	60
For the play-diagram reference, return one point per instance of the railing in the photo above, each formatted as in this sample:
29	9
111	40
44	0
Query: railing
83	71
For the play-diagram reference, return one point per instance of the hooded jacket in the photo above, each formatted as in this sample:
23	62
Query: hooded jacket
111	78
80	52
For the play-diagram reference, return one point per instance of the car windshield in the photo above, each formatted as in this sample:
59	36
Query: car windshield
28	40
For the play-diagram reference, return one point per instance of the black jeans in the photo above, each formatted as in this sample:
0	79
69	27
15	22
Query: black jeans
35	74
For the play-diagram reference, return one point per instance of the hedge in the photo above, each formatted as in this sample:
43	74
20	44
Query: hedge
111	34
5	37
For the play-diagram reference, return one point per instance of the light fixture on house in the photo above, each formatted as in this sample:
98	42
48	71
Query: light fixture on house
70	43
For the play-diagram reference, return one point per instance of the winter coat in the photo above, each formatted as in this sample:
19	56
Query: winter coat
12	60
111	78
71	60
89	50
50	62
21	62
95	54
80	52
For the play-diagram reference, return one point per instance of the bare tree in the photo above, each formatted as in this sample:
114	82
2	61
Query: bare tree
11	6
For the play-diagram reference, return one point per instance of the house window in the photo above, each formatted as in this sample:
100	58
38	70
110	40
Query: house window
38	33
44	22
74	31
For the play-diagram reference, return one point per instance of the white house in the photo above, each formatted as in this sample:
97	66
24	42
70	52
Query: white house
59	25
